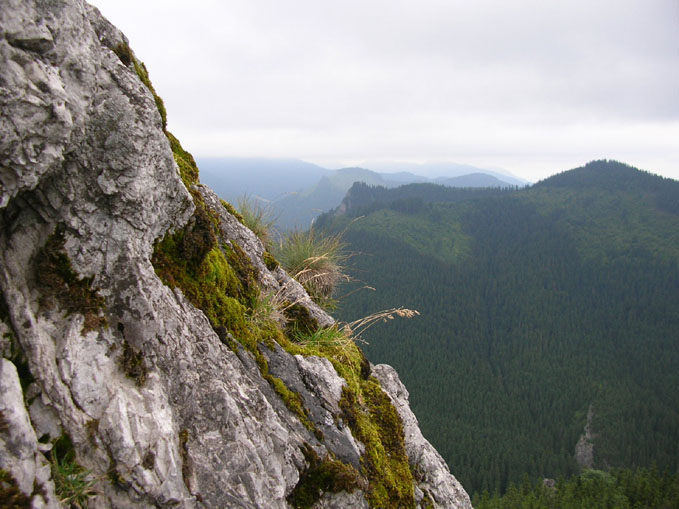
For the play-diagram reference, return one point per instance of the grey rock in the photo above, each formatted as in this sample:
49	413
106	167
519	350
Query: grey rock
342	500
82	150
584	449
320	388
19	454
433	478
276	281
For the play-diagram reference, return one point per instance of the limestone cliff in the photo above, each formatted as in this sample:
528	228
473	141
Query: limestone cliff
139	345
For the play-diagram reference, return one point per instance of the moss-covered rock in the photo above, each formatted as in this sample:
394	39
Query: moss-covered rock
10	494
134	365
58	282
220	280
270	261
232	210
373	420
187	164
322	475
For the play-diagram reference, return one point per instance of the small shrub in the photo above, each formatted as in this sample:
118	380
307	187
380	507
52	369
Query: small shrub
268	307
339	334
329	336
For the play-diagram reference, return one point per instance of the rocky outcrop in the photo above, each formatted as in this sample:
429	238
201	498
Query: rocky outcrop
158	396
432	476
584	449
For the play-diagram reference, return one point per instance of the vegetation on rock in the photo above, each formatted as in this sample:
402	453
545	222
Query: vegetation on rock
220	280
59	282
257	218
322	475
73	484
315	259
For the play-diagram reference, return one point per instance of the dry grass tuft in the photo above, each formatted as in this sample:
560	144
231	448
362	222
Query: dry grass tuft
316	260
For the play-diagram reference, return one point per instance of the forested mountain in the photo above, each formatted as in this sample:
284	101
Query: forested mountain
294	192
536	305
299	209
269	179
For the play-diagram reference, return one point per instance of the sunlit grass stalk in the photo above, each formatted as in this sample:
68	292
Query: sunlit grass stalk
345	333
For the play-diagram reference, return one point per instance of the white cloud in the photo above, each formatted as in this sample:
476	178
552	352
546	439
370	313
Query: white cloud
541	84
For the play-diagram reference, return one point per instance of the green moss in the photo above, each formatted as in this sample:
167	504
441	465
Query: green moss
134	365
72	483
10	494
231	210
373	420
300	320
270	262
216	281
246	272
58	282
268	334
327	475
143	74
124	53
292	400
187	164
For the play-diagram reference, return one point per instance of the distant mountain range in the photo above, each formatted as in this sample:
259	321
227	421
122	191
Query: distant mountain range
296	192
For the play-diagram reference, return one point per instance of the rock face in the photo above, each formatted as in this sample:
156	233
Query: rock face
161	404
584	449
432	477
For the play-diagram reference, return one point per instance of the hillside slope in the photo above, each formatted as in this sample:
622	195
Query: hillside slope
536	306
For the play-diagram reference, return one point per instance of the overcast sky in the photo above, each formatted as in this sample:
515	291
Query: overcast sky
535	87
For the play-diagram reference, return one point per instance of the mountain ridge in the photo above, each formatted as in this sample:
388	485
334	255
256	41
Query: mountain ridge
295	199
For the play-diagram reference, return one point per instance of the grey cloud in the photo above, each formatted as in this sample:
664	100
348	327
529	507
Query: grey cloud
413	70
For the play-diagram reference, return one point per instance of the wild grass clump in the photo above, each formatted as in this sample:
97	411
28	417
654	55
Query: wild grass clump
73	484
258	218
316	260
341	334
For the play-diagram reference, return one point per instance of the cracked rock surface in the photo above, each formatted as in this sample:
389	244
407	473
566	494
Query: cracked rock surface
159	409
